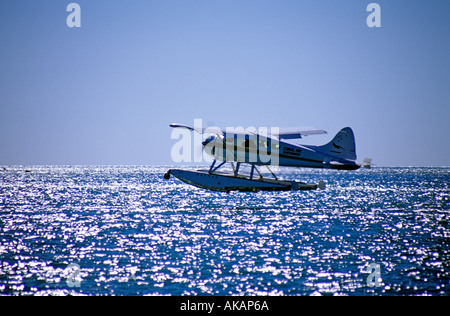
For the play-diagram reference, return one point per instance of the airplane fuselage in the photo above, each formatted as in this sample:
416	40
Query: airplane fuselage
261	150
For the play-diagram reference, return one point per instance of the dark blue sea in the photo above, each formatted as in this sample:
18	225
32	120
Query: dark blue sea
122	230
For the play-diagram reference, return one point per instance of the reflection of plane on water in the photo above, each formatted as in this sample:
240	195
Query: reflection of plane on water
266	150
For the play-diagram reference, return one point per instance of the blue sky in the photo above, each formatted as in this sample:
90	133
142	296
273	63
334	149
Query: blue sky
106	93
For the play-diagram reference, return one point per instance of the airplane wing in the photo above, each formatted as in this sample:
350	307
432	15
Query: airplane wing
206	130
283	133
297	132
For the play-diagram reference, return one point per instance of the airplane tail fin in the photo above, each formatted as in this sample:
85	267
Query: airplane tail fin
342	145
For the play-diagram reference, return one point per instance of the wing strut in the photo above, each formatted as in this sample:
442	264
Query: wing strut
273	174
212	169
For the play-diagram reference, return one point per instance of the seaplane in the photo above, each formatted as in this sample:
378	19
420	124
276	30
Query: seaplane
261	148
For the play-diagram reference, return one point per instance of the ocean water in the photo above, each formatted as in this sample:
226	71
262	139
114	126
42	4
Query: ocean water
121	230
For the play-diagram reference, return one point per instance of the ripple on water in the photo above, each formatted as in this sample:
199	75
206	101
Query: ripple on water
127	231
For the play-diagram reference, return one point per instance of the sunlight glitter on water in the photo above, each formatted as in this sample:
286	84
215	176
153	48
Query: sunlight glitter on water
131	232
